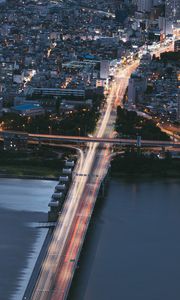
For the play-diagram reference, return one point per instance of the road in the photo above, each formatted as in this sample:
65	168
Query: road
48	139
103	140
62	257
96	164
59	265
163	49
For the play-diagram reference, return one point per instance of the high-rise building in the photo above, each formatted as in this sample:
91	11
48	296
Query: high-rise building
136	87
178	107
104	69
157	2
1	105
172	10
145	5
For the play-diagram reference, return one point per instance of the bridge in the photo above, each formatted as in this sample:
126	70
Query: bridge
100	140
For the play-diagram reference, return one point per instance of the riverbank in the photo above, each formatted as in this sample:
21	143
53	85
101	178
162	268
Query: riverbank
137	165
44	164
30	177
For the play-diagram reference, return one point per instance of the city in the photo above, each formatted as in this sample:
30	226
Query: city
90	105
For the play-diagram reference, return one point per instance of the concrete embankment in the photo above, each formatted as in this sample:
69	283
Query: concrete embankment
37	268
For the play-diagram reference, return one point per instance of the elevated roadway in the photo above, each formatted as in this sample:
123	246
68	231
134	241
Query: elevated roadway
106	140
96	139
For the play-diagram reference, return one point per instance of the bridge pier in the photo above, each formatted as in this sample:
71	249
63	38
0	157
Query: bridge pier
61	189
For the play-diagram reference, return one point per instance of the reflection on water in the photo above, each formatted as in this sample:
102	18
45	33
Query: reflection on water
23	203
133	246
27	195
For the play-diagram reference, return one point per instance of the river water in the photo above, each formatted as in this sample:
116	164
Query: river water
132	250
23	204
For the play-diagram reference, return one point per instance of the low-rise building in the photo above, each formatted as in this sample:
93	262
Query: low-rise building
29	110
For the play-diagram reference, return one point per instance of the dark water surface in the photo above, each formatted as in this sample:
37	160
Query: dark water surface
132	251
23	204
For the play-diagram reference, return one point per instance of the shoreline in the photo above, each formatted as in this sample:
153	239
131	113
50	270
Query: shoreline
133	166
37	266
113	174
33	177
116	175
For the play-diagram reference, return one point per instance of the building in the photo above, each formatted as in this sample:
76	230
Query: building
29	110
131	91
177	46
165	25
104	69
178	108
18	77
69	105
144	5
157	2
55	92
15	141
1	106
137	86
172	10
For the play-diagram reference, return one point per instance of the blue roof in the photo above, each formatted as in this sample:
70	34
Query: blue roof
24	107
88	56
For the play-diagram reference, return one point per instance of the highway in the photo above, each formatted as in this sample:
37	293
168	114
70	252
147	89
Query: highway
100	140
58	268
35	138
97	164
60	263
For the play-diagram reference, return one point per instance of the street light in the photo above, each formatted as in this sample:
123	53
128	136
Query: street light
50	130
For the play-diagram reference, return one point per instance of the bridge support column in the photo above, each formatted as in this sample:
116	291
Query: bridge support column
138	144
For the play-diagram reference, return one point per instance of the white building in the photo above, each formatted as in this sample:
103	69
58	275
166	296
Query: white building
104	69
18	77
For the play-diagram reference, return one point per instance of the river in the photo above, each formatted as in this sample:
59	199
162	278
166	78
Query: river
23	204
132	250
